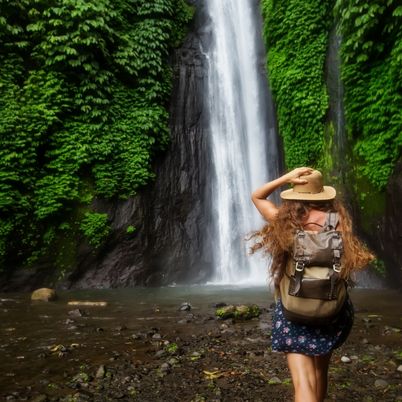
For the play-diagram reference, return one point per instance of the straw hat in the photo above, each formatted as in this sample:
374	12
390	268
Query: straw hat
313	190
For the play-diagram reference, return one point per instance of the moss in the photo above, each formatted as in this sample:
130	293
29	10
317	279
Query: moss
296	36
241	312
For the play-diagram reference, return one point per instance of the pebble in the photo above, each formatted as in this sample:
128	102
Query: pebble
345	359
399	368
165	367
173	361
160	353
40	398
380	384
100	373
186	306
274	380
77	313
157	336
184	321
136	337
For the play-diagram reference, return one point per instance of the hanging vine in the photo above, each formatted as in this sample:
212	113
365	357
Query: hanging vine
84	86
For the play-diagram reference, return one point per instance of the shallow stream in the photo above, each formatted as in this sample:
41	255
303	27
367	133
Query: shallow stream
39	340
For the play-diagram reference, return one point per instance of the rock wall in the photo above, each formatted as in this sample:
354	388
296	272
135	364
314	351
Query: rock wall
388	238
167	246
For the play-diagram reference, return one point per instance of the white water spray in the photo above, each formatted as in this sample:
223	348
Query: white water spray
243	138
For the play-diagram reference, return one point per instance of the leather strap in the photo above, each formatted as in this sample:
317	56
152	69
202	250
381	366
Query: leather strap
302	259
332	221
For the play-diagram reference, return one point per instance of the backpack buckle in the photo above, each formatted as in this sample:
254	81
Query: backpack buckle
336	267
299	266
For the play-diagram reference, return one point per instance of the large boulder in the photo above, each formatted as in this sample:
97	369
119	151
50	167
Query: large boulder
44	294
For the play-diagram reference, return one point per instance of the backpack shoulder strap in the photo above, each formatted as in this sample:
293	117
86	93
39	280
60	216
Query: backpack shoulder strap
331	221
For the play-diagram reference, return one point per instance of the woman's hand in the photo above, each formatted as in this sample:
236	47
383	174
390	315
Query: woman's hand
294	177
259	197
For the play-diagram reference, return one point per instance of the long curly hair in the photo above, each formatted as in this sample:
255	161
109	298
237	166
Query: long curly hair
276	237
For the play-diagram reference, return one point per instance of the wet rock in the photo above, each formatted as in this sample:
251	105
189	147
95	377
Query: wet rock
44	294
345	359
184	321
274	381
100	373
241	312
165	367
81	378
380	384
152	331
138	336
40	398
390	330
228	331
195	356
77	313
160	353
82	397
16	396
186	306
219	305
225	312
173	361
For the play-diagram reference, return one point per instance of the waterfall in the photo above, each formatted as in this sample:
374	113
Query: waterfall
243	145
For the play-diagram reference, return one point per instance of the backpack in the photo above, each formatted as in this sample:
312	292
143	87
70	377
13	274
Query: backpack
311	289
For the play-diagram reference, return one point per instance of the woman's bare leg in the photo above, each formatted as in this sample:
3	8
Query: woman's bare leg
321	375
302	369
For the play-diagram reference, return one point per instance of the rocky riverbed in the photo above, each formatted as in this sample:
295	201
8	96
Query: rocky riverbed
186	355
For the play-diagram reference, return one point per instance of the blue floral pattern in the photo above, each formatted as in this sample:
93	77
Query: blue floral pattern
288	336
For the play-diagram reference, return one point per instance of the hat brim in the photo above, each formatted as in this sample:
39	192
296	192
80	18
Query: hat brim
328	193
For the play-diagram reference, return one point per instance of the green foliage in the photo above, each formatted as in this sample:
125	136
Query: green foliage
372	74
130	229
296	36
379	267
84	86
171	348
95	227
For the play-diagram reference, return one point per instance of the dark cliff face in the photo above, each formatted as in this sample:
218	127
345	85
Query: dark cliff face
167	246
385	234
388	238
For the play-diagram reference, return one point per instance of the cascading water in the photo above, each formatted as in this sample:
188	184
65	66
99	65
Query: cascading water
242	140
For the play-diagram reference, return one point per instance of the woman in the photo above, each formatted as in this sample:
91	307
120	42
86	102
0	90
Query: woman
306	206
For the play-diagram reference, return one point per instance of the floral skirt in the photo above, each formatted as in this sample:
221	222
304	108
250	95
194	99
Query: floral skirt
288	336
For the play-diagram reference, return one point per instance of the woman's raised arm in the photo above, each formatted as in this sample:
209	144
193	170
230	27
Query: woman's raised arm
267	208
